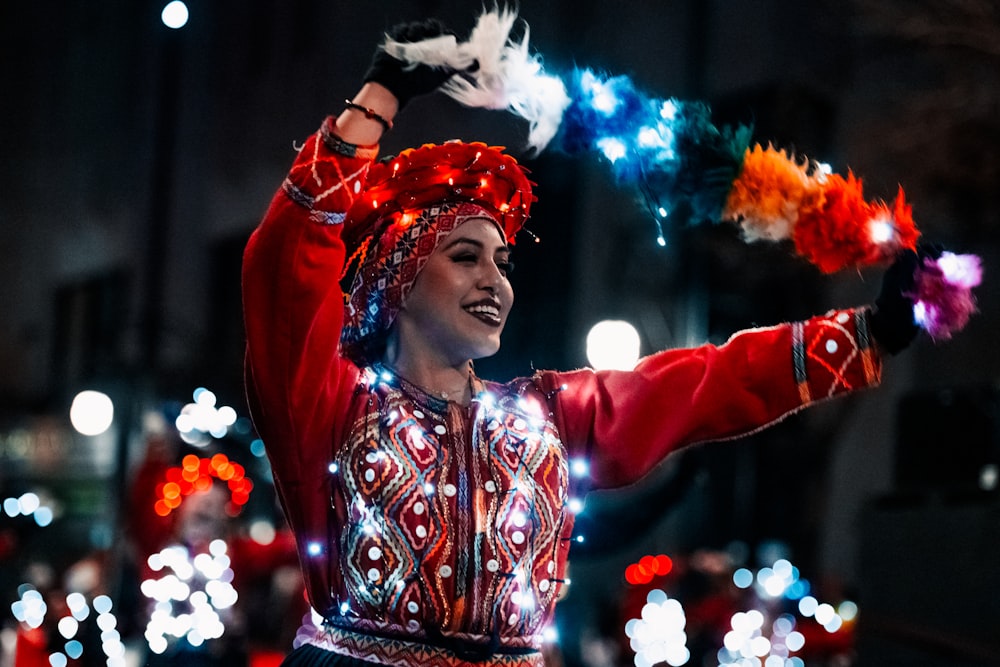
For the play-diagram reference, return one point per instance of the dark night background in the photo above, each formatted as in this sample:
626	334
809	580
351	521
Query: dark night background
136	160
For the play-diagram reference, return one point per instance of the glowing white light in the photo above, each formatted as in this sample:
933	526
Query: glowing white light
922	314
602	98
575	505
668	111
12	507
963	270
202	418
68	626
91	412
808	605
30	609
227	415
833	624
314	548
783	625
648	137
614	149
29	502
102	604
43	516
658	636
208	593
881	230
175	15
824	613
77	605
760	646
795	641
613	345
579	467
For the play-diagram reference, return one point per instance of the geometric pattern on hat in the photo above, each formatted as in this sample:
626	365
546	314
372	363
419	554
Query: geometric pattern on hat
391	266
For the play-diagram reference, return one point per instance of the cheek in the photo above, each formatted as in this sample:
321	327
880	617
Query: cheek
508	296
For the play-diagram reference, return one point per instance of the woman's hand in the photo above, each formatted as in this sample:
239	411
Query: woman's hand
406	82
389	84
893	324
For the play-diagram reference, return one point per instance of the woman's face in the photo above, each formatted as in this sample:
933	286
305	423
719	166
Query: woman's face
458	305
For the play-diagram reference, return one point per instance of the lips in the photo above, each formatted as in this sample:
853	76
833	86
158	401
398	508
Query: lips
487	311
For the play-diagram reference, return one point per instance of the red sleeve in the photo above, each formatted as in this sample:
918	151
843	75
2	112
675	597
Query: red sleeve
297	383
626	422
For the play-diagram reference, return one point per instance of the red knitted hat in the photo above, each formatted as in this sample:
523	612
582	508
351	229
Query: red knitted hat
410	203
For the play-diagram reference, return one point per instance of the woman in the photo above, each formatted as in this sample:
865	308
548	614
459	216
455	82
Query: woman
432	508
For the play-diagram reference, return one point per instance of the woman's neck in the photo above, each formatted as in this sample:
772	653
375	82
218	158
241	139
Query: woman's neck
451	382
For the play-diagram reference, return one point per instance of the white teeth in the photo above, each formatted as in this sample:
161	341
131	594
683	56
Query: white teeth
492	311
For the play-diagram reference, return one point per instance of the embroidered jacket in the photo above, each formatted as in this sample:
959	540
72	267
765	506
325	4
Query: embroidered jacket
424	527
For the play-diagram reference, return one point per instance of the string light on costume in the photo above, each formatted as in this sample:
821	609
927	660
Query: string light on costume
200	589
195	475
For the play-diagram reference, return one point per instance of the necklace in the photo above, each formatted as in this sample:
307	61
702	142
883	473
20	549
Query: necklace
455	395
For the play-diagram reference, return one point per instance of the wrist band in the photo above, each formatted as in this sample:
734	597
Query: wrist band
369	113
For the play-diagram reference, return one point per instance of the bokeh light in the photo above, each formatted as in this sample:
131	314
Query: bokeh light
91	412
175	15
613	345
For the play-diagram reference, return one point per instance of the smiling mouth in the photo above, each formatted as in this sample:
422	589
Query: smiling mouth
485	312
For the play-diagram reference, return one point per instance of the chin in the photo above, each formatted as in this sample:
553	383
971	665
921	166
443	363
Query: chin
486	350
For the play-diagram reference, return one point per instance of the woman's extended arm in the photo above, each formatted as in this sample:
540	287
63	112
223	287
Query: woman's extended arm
627	422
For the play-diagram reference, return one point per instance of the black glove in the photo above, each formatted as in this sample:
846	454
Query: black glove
406	84
892	323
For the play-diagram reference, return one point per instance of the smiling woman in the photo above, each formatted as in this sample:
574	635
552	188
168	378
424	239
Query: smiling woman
434	510
456	310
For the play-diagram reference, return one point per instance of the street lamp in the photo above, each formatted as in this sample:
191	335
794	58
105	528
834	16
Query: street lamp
175	15
614	345
91	412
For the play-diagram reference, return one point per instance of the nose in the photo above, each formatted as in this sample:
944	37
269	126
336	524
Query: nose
491	278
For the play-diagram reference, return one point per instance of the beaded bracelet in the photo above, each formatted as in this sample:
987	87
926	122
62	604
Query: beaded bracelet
369	113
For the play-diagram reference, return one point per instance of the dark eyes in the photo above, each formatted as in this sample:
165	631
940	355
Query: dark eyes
506	267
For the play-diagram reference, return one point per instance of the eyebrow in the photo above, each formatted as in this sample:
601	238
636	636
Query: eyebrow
478	244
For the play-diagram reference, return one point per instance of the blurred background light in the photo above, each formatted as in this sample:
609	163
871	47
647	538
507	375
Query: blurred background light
91	412
175	15
613	345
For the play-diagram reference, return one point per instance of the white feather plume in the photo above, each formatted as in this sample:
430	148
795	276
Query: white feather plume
505	76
